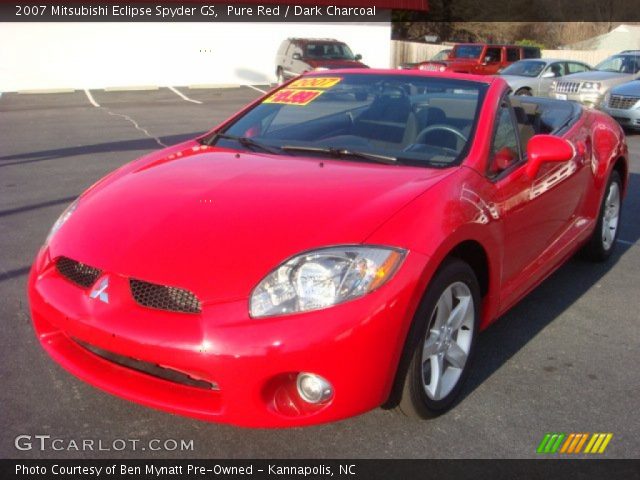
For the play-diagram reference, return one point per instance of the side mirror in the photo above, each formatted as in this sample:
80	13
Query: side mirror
296	56
546	148
548	74
358	57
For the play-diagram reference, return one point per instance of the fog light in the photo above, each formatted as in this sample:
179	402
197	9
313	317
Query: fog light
313	388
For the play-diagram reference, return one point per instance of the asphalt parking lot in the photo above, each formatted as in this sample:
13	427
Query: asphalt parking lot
564	360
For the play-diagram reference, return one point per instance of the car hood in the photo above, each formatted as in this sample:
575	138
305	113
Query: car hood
631	88
335	64
596	75
216	222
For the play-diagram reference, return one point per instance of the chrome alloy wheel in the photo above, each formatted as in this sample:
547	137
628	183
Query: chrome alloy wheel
610	215
448	341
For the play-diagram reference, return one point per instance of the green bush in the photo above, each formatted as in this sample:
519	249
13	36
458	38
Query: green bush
530	43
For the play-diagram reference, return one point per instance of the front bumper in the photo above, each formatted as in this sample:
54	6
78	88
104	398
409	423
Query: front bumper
243	370
629	118
589	99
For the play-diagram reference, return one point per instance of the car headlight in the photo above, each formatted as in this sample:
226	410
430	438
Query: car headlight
552	87
323	278
61	220
591	86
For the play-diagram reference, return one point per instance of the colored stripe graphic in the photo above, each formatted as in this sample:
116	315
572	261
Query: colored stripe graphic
572	443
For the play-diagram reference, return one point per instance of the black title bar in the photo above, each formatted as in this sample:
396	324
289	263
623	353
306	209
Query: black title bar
320	469
619	11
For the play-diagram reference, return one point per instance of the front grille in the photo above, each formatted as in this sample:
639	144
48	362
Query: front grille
162	297
567	87
76	272
621	102
152	369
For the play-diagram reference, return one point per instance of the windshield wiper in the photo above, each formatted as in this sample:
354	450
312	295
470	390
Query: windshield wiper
341	152
244	141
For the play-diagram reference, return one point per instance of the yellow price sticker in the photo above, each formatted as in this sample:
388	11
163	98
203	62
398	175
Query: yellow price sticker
290	96
315	82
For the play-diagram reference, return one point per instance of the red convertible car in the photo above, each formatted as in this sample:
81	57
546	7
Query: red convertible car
334	247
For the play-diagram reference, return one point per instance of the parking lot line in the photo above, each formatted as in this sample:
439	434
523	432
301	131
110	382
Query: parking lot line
91	99
256	88
183	96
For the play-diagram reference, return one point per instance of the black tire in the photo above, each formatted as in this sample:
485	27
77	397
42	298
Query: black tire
524	92
596	248
414	401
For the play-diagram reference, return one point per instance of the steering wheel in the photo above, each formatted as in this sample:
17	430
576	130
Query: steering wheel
446	128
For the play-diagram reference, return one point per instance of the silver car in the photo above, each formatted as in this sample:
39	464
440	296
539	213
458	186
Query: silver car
623	104
534	76
589	88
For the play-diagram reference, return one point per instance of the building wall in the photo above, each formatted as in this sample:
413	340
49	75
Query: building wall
102	55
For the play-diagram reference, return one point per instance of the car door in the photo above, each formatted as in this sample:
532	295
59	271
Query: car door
558	69
535	213
490	61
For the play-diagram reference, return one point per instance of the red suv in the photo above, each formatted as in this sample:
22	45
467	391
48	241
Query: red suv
480	58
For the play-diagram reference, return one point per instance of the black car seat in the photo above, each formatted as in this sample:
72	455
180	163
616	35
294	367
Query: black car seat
386	119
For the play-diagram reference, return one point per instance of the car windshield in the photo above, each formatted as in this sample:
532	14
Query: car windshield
620	64
332	51
404	119
467	51
441	55
524	68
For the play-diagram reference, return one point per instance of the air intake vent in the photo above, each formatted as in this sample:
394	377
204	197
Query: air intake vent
165	373
162	297
76	272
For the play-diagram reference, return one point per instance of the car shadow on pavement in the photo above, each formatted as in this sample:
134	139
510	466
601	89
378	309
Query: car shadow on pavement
107	147
511	332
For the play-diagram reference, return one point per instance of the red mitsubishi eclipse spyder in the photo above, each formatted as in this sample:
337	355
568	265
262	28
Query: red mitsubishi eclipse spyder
334	247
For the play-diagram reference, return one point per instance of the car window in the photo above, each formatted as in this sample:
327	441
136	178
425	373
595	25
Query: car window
530	52
423	121
330	51
620	64
504	149
492	55
576	67
513	54
557	68
524	68
289	50
467	51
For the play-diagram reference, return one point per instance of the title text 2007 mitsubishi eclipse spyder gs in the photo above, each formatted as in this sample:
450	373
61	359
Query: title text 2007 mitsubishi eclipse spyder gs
334	247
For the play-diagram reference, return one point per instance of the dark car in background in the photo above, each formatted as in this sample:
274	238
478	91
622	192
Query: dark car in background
480	58
299	55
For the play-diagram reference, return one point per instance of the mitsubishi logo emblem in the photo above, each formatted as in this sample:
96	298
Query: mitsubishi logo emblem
100	290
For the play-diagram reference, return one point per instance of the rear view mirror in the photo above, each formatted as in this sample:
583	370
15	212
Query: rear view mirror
358	57
296	56
547	148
